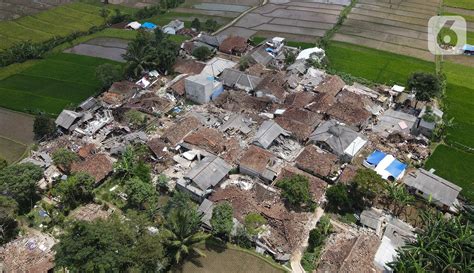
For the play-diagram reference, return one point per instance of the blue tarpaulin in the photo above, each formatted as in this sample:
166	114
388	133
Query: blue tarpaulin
396	168
468	47
375	157
148	25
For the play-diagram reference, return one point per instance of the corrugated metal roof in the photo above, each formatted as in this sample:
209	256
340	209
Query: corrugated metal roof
67	118
430	184
236	78
337	136
208	172
267	133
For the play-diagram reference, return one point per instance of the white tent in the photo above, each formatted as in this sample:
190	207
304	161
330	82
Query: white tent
133	25
306	53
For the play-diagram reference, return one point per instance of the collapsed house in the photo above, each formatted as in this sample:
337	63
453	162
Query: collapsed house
30	253
318	162
119	92
432	187
338	139
259	163
268	132
236	45
395	121
208	139
99	166
180	129
203	177
233	78
317	186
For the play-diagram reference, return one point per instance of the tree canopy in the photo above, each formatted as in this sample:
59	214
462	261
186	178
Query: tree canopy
76	190
141	195
295	190
368	184
254	222
426	85
19	181
338	198
221	220
202	53
43	126
108	73
64	158
8	224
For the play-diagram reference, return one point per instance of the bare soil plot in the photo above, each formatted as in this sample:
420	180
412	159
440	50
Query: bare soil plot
303	21
221	7
397	26
107	48
16	133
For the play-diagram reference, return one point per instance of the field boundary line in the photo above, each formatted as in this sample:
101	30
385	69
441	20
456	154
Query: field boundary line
32	29
15	141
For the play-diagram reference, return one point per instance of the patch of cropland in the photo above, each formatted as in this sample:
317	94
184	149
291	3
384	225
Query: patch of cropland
13	9
464	4
51	84
454	165
374	65
295	20
398	26
16	135
107	48
58	21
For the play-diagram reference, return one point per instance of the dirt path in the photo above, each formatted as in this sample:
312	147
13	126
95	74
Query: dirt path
231	23
296	256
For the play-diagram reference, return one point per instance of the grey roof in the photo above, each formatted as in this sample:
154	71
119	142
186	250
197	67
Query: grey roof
88	104
206	208
261	56
390	119
337	136
430	184
398	232
267	133
371	218
298	67
238	79
237	122
211	40
208	172
67	118
174	24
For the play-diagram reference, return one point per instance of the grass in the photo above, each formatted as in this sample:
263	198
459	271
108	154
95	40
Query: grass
464	4
374	65
11	150
454	165
469	18
51	84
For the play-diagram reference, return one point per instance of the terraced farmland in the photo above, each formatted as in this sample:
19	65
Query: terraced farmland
295	20
51	84
12	9
398	26
45	25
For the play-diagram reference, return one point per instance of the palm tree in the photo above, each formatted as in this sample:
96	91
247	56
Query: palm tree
399	197
182	234
139	58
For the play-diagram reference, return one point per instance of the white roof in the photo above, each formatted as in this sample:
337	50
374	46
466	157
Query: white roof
398	88
216	65
134	25
306	53
386	253
278	39
355	146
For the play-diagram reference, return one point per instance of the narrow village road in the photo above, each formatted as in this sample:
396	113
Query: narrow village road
264	2
296	256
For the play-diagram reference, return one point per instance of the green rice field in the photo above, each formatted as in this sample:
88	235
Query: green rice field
455	166
59	21
51	84
374	65
464	4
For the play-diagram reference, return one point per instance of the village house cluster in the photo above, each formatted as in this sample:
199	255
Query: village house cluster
222	132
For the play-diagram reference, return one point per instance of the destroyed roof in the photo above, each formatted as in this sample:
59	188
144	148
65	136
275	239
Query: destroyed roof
88	104
241	102
371	218
348	174
238	79
90	212
349	109
180	129
395	121
237	122
331	85
300	99
86	150
321	103
150	103
178	87
317	162
261	56
317	186
434	186
299	130
208	139
302	115
233	44
267	133
122	87
273	85
158	147
67	118
97	166
256	159
338	137
206	208
190	67
208	172
212	40
31	253
215	66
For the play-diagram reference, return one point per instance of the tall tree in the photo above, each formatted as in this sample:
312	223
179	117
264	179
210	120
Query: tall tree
222	220
399	197
141	195
202	53
368	184
295	190
108	73
43	126
64	158
8	224
196	24
182	232
76	190
425	85
338	198
19	181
